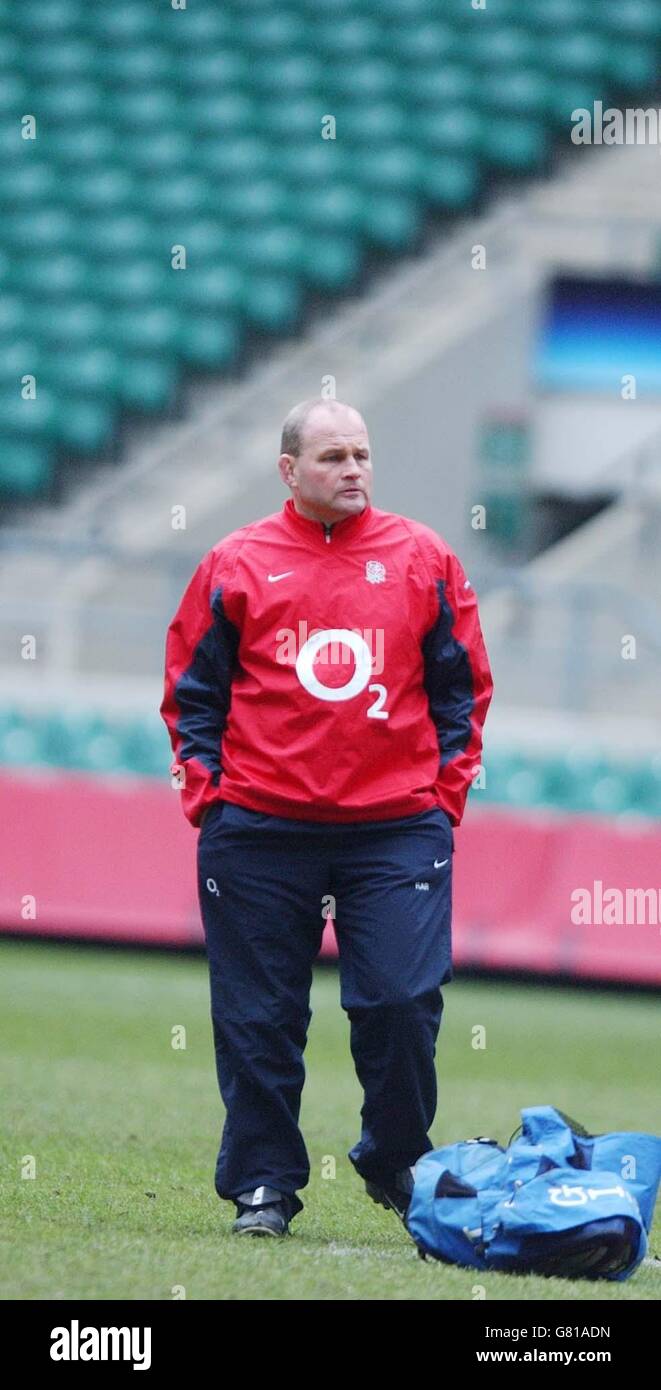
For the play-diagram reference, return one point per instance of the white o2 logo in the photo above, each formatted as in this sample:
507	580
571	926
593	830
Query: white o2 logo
363	659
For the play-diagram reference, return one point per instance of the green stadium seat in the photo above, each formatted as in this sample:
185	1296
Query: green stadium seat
506	508
395	168
94	371
197	28
583	54
13	316
210	342
610	794
26	469
524	787
145	751
104	752
19	356
51	277
69	57
139	66
375	79
263	201
38	229
496	14
311	7
12	53
14	150
14	97
568	95
497	771
526	93
450	181
311	165
20	743
132	282
584	772
639	19
646	788
176	194
91	145
405	12
101	190
297	119
282	246
300	73
214	70
146	108
557	16
206	240
242	158
30	182
515	144
425	44
331	263
442	88
124	24
29	419
63	739
271	302
337	207
347	39
66	102
459	129
499	49
76	322
161	152
152	330
215	287
390	221
370	123
116	237
233	113
84	426
632	66
147	383
52	17
277	31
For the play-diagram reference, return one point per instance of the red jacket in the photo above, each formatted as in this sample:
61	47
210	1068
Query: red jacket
327	674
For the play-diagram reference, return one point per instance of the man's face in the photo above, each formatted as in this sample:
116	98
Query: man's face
332	476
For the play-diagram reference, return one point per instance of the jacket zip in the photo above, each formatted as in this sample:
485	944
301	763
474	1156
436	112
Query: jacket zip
327	529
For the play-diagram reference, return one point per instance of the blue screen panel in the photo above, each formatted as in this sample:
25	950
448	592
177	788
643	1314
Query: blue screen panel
595	332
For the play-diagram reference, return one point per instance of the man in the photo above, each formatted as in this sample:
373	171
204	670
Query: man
326	686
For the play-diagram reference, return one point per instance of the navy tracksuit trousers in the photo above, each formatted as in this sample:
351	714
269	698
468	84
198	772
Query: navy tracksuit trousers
266	885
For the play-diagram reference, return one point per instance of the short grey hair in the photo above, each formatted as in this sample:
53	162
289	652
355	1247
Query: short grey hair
293	429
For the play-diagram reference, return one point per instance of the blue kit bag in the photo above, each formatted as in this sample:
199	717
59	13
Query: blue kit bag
556	1201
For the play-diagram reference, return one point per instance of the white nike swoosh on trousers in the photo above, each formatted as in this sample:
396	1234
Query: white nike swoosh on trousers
439	866
273	578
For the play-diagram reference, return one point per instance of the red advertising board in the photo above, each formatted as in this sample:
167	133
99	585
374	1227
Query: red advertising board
114	859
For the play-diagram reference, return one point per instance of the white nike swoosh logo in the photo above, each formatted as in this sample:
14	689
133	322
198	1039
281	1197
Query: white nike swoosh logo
439	866
273	578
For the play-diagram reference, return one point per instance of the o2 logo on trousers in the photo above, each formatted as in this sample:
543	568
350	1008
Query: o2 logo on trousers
363	668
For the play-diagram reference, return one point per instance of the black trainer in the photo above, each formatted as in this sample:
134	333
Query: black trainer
262	1212
395	1195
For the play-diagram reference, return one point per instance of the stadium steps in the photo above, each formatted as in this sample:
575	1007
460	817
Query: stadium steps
558	630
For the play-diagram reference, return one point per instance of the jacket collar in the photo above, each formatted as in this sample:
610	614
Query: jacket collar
315	531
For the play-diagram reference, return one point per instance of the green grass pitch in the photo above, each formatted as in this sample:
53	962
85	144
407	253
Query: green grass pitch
124	1129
